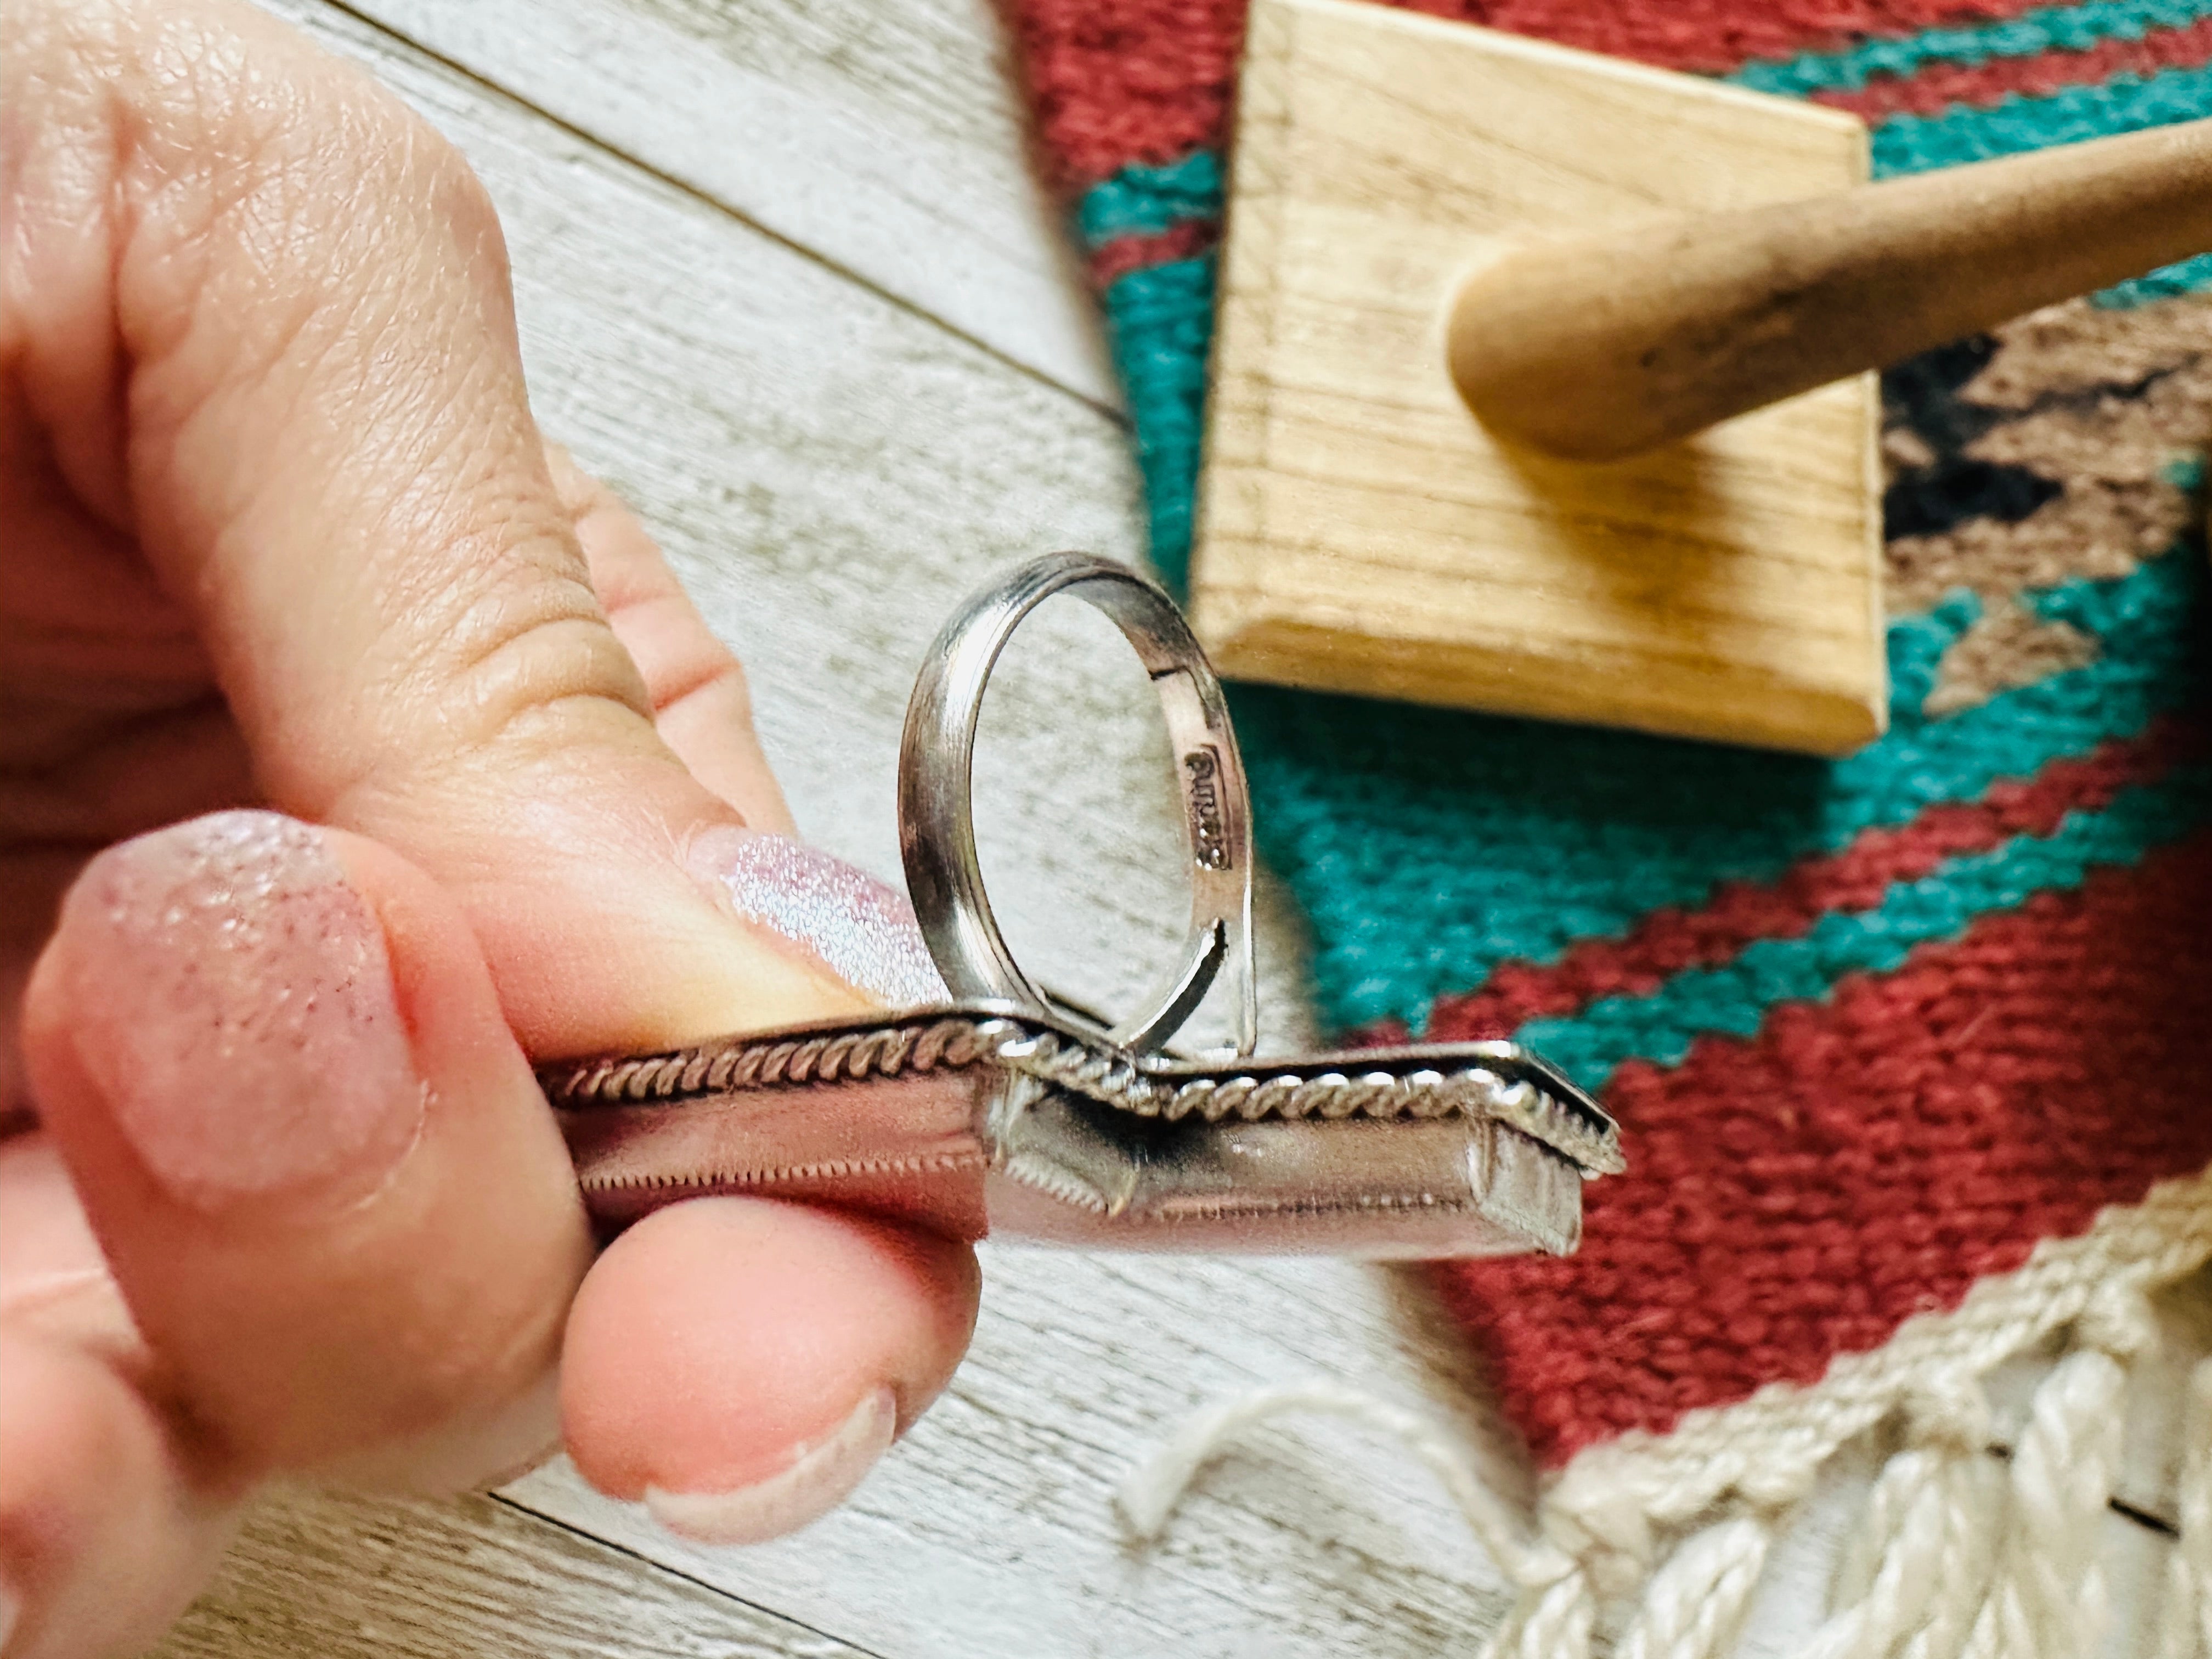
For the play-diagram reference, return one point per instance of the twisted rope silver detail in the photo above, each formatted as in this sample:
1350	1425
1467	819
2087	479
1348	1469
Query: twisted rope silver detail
1114	1079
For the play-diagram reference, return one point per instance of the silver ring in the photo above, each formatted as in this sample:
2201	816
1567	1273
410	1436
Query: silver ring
937	824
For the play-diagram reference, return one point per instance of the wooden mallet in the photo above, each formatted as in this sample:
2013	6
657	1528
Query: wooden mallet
1734	310
1541	380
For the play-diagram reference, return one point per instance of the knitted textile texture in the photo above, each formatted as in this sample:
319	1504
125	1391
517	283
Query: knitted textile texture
1909	1049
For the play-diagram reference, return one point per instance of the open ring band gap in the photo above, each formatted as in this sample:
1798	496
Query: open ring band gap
936	827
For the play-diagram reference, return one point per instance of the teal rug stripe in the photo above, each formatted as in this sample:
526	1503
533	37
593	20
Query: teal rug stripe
1160	321
1906	144
1734	1000
1146	200
2166	283
1428	846
2055	28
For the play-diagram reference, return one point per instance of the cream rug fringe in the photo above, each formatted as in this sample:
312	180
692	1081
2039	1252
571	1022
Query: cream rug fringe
1957	1556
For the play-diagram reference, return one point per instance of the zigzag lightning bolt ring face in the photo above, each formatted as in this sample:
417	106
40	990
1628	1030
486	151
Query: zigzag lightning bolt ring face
997	1113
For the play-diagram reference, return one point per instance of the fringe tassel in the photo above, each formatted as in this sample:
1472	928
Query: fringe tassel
2048	1599
1972	1505
1697	1602
2188	1624
1958	1556
1557	1619
1918	1567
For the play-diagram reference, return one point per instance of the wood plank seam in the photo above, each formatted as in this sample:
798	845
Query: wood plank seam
666	1570
694	193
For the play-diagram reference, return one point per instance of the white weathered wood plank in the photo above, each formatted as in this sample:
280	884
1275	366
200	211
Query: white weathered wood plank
887	139
360	1578
989	1531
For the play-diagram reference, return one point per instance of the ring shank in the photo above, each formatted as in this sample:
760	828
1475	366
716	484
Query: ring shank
937	829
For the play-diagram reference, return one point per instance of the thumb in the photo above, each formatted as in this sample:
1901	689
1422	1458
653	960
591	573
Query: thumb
332	462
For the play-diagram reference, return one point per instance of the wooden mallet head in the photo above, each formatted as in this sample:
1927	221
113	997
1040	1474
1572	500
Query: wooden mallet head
1429	220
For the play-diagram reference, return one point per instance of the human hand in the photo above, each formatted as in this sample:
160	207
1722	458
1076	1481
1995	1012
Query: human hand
281	1195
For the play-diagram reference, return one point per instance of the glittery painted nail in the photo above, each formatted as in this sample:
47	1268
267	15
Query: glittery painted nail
821	1475
860	929
235	1004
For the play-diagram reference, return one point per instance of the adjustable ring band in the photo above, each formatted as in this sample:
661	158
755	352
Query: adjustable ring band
937	824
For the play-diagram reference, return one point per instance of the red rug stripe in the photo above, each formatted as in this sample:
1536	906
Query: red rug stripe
1114	82
1943	86
1802	1193
1717	36
1666	942
1124	254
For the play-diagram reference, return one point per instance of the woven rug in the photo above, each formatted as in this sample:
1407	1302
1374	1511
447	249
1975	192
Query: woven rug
1913	1051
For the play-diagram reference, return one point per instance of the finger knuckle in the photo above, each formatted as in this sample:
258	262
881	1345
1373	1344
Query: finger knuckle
524	662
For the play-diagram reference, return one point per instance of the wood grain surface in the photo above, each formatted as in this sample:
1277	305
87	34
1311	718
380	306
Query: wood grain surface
342	1578
832	467
1358	531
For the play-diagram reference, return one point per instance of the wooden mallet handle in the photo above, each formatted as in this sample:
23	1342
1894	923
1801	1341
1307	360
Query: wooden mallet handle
1602	346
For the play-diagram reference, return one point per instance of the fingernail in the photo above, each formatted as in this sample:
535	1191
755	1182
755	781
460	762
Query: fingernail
862	931
235	1004
821	1475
